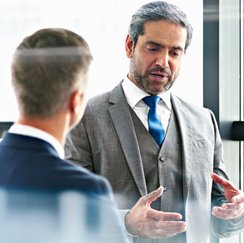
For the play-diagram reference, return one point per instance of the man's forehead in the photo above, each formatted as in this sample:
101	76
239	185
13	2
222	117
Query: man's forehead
164	31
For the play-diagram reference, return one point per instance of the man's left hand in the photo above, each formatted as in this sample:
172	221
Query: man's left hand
234	209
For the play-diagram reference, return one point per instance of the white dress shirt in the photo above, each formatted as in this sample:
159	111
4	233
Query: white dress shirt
134	96
37	133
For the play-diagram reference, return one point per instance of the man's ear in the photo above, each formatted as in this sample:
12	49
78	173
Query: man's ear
129	47
75	101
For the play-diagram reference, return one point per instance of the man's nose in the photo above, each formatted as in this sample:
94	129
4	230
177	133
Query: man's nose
162	60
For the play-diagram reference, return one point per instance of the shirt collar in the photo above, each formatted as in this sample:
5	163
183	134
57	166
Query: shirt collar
37	133
134	94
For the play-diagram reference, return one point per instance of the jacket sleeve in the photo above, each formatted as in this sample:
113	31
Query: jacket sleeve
221	228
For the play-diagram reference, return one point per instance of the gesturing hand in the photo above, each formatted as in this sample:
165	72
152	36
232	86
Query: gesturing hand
234	209
146	222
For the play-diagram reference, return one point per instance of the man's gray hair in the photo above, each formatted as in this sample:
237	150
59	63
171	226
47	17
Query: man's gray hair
47	67
156	11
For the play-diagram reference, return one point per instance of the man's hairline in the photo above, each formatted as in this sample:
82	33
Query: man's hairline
143	31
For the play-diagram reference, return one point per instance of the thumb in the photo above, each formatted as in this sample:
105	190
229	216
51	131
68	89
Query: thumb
152	196
223	182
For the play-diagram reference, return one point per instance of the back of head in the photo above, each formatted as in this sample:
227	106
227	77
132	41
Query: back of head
47	67
155	11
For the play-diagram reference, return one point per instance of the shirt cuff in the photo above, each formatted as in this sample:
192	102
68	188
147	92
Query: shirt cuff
127	211
236	221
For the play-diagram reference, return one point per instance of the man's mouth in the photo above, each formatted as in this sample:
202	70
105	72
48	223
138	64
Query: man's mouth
159	76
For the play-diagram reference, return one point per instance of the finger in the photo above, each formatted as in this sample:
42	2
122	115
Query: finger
171	228
230	205
228	211
233	208
222	181
225	209
164	229
152	196
221	213
238	199
162	216
172	225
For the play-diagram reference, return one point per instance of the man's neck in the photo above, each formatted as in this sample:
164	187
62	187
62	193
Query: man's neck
55	126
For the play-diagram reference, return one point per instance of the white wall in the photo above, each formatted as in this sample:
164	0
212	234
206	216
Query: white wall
104	24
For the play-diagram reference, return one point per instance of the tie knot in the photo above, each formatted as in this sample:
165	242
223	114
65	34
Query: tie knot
151	101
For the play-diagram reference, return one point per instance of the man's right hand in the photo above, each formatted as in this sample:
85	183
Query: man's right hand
146	222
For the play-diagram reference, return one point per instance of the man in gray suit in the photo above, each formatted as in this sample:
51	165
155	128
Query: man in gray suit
116	139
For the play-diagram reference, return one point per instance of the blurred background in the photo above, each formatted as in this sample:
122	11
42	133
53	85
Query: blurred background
104	24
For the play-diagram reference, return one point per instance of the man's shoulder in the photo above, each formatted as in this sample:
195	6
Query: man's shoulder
86	179
197	115
24	144
102	101
190	107
65	174
36	165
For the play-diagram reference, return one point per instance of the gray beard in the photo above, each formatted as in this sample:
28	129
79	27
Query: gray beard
144	83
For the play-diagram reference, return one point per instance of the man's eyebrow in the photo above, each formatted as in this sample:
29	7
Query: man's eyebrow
160	45
178	48
154	43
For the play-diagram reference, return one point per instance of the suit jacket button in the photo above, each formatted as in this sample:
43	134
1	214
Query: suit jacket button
162	159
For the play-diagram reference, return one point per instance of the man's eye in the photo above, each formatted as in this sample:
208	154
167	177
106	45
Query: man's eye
175	53
152	49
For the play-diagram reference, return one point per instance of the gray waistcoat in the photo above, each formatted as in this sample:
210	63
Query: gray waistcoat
163	167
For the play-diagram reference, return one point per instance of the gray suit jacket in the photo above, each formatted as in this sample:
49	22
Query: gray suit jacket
105	142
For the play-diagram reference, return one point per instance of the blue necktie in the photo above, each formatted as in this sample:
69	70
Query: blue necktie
155	126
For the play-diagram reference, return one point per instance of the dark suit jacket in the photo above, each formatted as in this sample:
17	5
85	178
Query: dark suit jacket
28	162
31	164
105	142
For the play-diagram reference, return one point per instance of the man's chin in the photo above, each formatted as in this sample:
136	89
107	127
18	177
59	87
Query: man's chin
157	90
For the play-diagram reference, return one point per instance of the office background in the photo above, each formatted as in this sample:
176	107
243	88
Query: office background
104	24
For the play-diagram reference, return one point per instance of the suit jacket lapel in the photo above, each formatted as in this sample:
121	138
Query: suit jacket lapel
121	117
186	140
